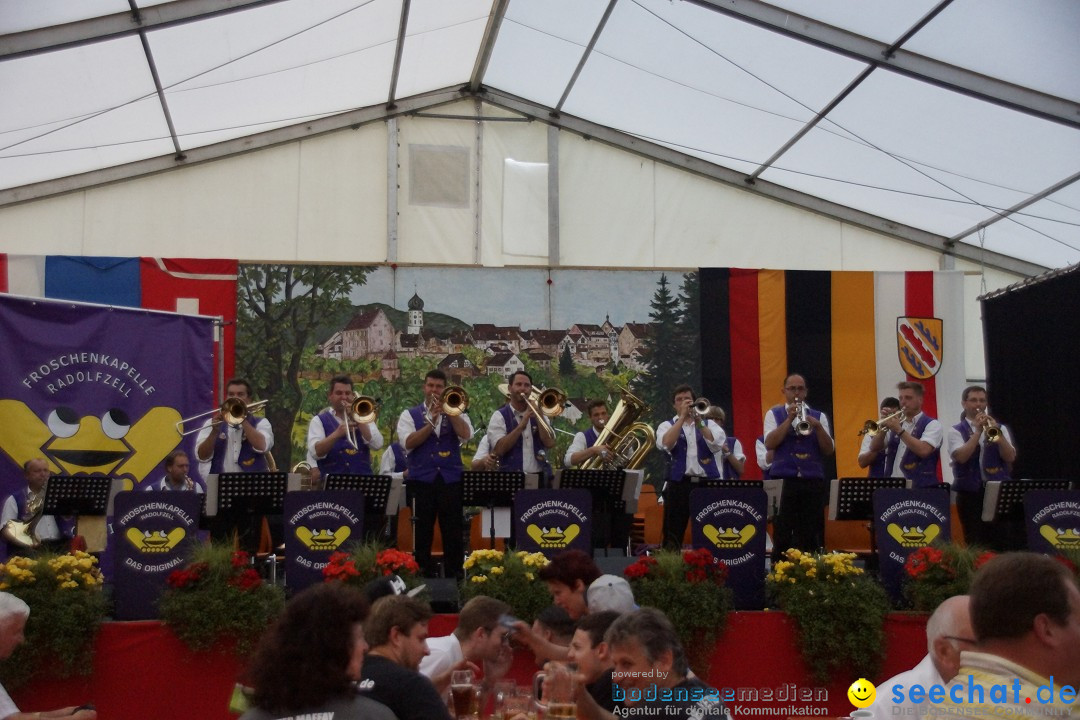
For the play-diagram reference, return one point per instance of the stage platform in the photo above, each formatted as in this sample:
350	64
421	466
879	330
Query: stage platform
143	672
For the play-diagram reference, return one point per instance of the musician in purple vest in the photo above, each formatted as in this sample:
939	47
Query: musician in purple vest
693	445
799	459
176	475
53	533
734	459
919	439
516	438
221	448
584	446
432	441
339	444
880	462
975	460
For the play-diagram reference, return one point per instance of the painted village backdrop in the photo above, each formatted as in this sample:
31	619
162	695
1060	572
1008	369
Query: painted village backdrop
587	333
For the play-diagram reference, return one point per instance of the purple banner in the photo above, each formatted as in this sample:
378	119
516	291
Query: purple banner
98	390
154	532
550	521
730	522
904	521
317	524
1053	520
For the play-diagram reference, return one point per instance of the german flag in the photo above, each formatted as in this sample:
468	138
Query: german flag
852	335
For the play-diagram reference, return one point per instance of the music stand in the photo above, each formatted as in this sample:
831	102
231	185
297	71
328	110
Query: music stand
1004	499
490	489
852	498
78	495
243	496
376	490
712	483
607	488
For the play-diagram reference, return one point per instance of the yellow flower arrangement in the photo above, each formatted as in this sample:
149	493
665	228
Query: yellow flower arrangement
508	576
67	605
839	610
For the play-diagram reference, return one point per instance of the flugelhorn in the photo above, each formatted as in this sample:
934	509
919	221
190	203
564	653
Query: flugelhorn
233	413
873	427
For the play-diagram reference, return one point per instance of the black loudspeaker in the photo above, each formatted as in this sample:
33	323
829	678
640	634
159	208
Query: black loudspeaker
613	564
444	595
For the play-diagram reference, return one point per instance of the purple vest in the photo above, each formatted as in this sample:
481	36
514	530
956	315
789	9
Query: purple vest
439	454
342	456
678	457
590	437
66	525
512	460
921	471
967	477
249	459
797	455
886	460
729	470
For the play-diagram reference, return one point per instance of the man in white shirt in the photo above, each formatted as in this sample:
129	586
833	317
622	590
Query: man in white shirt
694	446
583	446
339	443
919	438
975	460
516	436
480	640
224	448
176	475
24	505
948	632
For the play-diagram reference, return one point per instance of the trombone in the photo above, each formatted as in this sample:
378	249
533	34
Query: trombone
544	404
364	410
233	413
873	427
454	401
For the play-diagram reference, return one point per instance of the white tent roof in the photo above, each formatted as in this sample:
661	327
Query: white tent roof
954	121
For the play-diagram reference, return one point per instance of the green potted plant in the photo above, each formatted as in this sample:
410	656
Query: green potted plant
839	612
219	597
67	606
934	573
508	576
689	587
367	561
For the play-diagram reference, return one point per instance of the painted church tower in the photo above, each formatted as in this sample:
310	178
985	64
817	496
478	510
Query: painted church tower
416	315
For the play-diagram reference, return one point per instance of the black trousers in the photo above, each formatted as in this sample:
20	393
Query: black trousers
676	512
800	522
444	501
969	510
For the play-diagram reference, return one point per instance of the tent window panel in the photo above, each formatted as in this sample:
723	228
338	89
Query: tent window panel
439	176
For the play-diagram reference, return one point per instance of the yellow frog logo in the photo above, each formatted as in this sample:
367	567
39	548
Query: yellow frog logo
323	538
553	537
914	536
729	537
1064	538
154	541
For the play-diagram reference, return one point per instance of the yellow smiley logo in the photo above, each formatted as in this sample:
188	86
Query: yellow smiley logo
861	693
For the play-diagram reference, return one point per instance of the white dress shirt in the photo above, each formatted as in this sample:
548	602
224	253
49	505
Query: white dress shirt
234	437
497	431
406	426
931	434
954	440
316	433
693	467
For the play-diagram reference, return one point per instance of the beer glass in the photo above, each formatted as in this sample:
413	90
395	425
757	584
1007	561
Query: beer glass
555	689
465	695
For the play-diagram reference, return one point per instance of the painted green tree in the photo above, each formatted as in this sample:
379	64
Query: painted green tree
280	309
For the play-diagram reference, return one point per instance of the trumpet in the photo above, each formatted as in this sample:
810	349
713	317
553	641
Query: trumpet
704	410
873	427
993	430
233	413
802	425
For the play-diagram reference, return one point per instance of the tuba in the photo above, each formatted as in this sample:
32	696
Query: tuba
630	441
22	531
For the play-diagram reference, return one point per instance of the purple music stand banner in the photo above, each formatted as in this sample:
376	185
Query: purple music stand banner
153	535
550	521
316	525
1053	520
730	523
904	521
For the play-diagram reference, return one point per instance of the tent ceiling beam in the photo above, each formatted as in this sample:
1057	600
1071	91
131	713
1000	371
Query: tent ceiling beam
585	55
108	27
1060	185
616	138
821	114
403	25
352	119
918	67
487	45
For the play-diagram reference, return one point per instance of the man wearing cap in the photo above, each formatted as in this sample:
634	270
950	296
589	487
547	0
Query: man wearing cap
610	592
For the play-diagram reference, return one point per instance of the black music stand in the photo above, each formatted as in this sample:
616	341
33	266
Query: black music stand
491	490
606	488
1003	505
243	497
376	490
75	495
712	483
852	498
